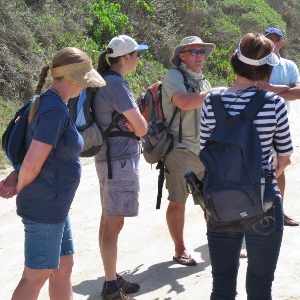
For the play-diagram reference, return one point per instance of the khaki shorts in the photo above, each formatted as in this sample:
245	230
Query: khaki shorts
119	195
177	163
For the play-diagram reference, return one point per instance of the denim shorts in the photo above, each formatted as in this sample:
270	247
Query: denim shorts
120	195
45	243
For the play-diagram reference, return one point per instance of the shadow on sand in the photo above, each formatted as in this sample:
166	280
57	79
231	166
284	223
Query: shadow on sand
155	277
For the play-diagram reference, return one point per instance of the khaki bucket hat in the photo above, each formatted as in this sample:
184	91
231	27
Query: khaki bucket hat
190	40
81	73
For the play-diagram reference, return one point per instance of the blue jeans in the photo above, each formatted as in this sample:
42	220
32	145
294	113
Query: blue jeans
263	243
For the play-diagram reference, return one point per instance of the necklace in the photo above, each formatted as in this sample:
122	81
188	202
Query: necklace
239	93
55	91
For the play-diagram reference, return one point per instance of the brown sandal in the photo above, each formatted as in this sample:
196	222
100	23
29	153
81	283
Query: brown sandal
288	221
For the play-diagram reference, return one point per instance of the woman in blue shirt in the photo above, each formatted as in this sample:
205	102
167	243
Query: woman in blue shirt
50	175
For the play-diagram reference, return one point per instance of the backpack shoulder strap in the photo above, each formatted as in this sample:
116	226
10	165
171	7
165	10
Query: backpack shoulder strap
218	107
186	80
256	103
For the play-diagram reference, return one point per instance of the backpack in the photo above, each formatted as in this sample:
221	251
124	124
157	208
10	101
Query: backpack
14	137
234	184
81	113
159	139
93	135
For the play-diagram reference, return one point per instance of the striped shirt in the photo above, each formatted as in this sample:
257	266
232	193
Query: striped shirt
271	123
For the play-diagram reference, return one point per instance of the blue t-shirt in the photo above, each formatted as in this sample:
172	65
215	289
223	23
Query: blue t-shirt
48	198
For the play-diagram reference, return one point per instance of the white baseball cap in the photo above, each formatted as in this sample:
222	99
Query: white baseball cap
123	44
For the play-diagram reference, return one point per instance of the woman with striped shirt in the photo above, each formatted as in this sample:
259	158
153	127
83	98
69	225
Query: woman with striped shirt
253	61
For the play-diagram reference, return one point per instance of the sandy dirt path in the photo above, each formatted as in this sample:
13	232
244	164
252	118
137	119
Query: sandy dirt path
145	246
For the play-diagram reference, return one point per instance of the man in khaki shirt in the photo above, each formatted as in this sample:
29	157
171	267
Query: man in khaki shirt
189	56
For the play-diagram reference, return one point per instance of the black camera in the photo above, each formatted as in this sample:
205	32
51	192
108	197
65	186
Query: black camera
195	187
193	184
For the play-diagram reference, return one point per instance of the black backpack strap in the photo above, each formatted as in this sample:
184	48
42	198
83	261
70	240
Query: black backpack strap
161	178
218	107
256	103
186	80
107	133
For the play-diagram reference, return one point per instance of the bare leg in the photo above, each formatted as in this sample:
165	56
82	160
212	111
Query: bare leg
175	221
30	284
281	184
60	286
288	221
108	242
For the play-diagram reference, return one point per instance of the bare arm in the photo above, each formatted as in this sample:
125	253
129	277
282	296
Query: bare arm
286	92
138	124
188	101
33	162
275	88
280	163
8	185
293	93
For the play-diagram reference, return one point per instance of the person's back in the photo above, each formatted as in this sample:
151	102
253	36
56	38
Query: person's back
253	61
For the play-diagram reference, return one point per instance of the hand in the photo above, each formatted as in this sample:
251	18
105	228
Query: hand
129	126
8	185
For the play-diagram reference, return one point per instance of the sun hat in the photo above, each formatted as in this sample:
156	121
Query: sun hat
190	40
81	73
123	44
271	59
274	30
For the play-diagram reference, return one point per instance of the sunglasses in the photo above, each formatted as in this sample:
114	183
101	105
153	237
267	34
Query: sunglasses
138	53
194	52
274	39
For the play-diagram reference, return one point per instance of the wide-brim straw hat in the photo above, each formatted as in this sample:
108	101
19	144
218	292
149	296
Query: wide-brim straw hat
190	40
81	73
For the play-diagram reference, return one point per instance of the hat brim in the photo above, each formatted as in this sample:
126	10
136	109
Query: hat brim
175	60
142	47
88	79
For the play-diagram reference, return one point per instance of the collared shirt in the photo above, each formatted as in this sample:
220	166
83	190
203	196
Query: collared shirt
173	83
285	73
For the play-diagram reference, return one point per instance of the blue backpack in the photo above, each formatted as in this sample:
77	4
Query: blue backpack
13	138
81	111
234	185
